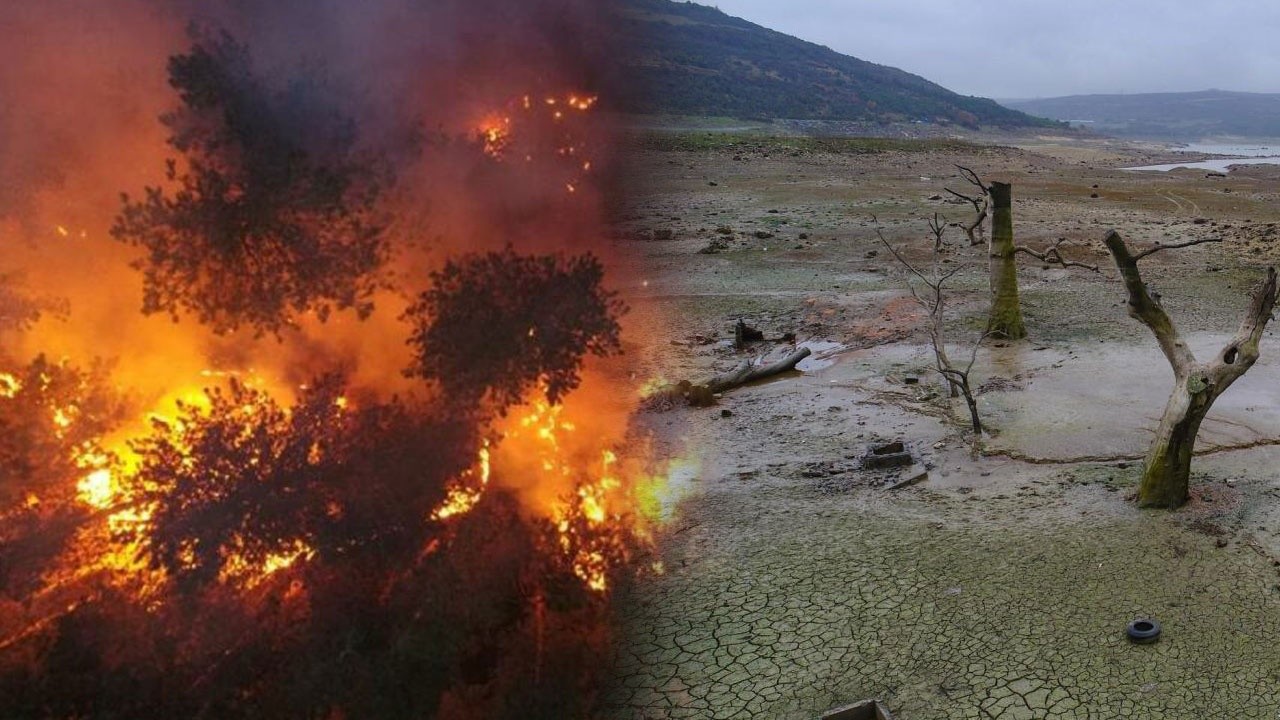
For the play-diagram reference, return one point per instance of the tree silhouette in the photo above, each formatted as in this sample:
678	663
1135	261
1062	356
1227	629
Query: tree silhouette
494	325
273	212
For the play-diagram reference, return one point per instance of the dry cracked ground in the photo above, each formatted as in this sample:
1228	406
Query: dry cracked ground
1000	585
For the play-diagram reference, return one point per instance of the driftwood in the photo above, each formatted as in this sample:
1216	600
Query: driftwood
704	393
749	372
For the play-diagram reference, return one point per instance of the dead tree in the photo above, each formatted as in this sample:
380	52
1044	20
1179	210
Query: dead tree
1052	255
1005	318
934	302
980	202
937	226
1166	472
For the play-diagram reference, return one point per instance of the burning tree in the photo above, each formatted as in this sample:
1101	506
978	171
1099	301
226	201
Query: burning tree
1167	470
361	544
273	214
496	325
51	418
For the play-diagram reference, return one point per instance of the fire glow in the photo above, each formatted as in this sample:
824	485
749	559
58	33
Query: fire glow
230	437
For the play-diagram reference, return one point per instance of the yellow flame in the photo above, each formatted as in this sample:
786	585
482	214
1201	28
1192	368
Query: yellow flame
9	385
96	489
465	492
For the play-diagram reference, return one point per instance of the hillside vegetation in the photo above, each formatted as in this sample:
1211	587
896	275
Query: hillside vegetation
690	59
1174	116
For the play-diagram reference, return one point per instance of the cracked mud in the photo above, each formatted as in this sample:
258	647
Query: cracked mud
1000	587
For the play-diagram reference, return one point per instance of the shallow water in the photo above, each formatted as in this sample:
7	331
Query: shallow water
1234	155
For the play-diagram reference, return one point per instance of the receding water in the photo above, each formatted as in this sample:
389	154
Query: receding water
1233	155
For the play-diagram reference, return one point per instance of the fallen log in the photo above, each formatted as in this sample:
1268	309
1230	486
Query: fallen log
703	394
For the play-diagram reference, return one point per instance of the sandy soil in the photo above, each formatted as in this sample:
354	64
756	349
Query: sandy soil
1000	586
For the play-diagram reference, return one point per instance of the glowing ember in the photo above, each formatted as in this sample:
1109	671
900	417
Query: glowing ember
249	574
501	134
467	490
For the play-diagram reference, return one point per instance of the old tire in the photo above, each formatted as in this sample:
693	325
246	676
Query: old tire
1143	631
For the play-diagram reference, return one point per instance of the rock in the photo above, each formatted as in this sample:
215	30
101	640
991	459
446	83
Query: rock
714	247
713	183
804	236
663	234
1093	195
726	413
763	234
724	230
891	455
909	479
935	197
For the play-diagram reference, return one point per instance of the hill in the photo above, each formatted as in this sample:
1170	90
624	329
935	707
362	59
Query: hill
690	59
1166	116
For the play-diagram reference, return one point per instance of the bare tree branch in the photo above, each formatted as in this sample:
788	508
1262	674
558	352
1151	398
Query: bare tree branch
1158	247
1053	256
937	226
981	203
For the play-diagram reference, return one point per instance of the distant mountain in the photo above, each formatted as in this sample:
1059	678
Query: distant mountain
690	59
1166	116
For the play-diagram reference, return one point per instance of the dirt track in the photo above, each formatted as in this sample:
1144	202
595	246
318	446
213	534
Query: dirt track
1001	585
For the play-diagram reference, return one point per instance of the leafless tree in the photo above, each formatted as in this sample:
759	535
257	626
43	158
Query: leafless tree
1166	472
933	299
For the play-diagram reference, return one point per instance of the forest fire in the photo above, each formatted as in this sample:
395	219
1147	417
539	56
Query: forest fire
342	426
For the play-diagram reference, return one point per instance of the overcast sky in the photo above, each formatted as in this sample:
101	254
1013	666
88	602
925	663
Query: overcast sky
1045	48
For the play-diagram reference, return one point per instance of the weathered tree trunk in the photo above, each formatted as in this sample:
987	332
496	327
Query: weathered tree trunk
1005	320
1166	474
1167	470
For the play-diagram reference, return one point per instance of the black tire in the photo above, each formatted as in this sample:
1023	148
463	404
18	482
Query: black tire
1143	631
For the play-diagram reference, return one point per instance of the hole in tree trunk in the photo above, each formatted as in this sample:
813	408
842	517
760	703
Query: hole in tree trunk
1230	356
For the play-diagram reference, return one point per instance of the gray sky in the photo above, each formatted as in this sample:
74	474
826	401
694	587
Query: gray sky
1044	48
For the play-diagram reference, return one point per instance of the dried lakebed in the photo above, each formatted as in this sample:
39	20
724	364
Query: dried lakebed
1000	587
